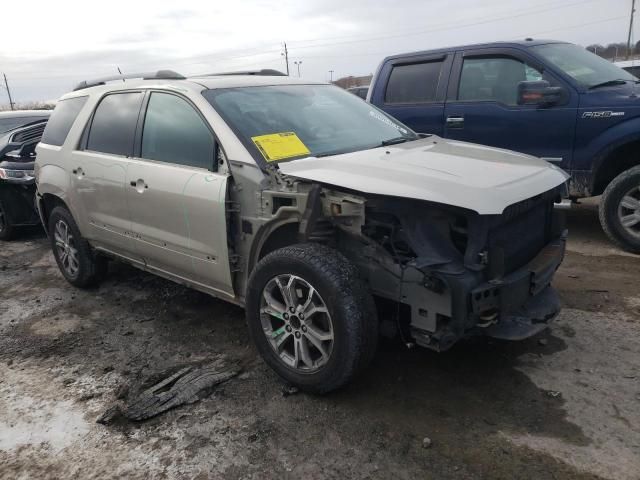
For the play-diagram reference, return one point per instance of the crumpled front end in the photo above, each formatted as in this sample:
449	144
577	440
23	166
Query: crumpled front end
452	272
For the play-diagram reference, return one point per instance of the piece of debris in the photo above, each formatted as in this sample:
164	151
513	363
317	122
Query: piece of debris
186	386
573	276
553	393
426	442
543	341
289	390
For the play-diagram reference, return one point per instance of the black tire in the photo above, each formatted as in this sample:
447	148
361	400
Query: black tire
608	211
348	301
91	267
6	229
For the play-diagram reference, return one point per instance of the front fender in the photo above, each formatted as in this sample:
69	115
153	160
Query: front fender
599	148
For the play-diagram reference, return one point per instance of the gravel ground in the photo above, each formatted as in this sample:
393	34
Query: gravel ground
563	405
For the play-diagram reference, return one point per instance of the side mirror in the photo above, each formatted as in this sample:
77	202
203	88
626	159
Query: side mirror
538	93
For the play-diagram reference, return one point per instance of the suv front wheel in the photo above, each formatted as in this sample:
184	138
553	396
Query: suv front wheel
620	210
311	316
79	265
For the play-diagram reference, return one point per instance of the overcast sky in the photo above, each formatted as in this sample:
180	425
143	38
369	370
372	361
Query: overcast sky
48	46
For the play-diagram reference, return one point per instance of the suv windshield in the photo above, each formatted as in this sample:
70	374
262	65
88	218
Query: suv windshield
583	66
294	121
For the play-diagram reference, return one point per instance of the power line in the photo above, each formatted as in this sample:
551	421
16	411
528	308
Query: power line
530	11
447	26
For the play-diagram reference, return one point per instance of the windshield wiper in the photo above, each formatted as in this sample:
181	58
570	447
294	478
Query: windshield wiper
610	83
394	141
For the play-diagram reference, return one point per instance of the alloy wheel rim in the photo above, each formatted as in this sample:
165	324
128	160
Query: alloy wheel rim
629	211
66	248
297	323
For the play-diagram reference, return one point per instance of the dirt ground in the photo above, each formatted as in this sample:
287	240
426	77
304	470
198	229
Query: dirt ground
563	405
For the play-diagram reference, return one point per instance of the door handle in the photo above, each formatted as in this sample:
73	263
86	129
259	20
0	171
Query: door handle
455	122
139	185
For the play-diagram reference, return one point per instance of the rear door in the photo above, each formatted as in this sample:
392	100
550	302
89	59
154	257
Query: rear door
99	171
176	196
482	106
413	90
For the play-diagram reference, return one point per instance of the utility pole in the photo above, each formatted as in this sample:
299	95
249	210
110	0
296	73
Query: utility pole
331	76
633	10
6	84
285	54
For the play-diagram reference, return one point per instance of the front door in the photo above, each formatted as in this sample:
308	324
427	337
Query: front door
176	196
482	106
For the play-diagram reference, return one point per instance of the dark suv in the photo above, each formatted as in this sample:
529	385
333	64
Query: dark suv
20	132
553	100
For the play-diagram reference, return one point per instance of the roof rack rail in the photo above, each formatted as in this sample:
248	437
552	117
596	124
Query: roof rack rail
159	75
267	72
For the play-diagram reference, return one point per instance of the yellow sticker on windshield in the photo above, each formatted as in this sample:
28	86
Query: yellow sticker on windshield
277	146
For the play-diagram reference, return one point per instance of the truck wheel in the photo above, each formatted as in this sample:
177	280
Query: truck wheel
78	264
6	229
620	210
311	316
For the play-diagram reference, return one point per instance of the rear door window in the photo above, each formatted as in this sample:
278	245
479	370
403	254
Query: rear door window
413	83
114	124
174	132
62	119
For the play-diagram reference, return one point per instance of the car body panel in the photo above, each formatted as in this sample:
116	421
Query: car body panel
478	178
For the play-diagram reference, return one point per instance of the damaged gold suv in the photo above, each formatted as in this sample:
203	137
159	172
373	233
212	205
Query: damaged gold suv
309	207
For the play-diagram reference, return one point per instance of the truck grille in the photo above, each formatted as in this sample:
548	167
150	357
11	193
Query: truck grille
33	132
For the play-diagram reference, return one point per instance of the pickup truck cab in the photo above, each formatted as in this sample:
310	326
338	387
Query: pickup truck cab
550	99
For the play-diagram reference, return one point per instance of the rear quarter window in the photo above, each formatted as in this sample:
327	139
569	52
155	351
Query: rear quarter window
62	119
113	127
413	83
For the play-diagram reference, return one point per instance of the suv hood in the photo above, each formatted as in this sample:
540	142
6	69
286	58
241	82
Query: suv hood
466	175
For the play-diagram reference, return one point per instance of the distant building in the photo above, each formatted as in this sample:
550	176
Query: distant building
351	81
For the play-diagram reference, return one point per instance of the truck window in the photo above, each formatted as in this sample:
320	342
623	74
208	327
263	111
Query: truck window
114	124
413	83
174	132
494	78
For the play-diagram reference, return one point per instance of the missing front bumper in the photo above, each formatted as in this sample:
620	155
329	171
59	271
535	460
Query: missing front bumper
524	301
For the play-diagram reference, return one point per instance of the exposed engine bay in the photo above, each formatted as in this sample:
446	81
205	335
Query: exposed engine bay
449	272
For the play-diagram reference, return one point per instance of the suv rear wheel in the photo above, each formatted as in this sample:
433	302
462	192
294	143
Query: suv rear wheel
620	210
78	264
311	316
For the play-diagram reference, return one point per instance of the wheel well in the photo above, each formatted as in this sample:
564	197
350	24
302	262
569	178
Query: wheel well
282	236
48	203
622	158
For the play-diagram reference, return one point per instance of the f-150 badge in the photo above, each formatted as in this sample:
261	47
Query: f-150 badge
602	114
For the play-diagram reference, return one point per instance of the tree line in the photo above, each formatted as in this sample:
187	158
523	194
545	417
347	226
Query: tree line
614	51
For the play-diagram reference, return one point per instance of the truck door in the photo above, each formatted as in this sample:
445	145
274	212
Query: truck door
482	106
413	90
